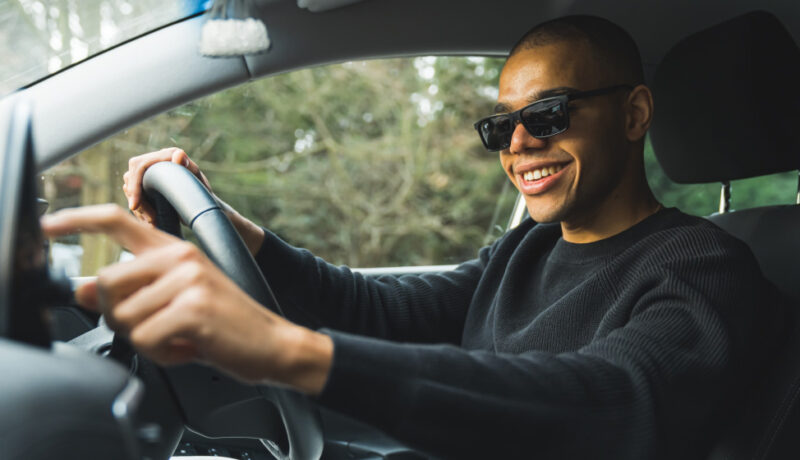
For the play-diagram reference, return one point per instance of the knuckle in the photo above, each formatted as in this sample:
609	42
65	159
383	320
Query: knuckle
196	316
140	340
139	169
179	156
104	278
117	213
192	306
193	271
187	251
109	208
106	287
112	216
123	319
194	300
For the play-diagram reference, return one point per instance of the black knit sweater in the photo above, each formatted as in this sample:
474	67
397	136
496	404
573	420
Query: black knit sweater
630	347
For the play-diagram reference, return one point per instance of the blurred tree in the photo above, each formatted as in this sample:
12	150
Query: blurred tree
38	37
54	35
366	163
369	163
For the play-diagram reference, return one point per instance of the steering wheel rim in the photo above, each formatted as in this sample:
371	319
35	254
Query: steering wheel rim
177	193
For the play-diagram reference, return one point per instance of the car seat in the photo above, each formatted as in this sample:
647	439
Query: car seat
728	107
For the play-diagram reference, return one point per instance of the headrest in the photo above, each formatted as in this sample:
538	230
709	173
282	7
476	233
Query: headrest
727	102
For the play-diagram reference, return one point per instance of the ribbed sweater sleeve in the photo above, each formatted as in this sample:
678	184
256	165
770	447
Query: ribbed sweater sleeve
420	308
647	389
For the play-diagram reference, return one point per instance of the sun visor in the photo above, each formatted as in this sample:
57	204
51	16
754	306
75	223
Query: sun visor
727	102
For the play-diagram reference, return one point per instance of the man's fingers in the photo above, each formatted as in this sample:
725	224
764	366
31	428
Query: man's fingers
145	213
170	335
117	282
138	165
132	186
140	303
178	351
183	159
180	157
110	220
86	296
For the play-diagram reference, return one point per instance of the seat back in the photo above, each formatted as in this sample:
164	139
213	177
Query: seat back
728	107
767	425
772	234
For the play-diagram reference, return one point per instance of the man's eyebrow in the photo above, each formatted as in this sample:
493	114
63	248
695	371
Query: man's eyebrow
550	93
502	107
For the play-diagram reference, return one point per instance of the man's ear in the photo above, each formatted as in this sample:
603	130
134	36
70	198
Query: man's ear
638	113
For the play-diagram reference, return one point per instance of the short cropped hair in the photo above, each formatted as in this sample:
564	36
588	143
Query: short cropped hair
610	43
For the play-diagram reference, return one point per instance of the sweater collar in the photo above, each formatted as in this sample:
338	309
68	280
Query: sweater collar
565	251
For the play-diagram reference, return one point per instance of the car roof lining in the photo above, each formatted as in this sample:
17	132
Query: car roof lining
91	101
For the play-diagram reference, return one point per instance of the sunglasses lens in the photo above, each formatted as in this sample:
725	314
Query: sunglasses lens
541	119
496	131
545	119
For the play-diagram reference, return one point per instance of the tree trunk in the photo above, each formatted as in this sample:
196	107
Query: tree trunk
99	186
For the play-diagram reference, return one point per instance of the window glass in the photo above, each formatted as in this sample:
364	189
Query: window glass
703	199
368	164
38	38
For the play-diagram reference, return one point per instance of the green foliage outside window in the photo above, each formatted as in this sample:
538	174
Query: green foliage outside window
703	199
369	163
365	163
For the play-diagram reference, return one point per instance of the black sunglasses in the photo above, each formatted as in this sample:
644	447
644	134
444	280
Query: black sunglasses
544	118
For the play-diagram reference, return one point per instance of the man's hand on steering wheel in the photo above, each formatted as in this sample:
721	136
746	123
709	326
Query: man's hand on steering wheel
251	233
176	306
132	186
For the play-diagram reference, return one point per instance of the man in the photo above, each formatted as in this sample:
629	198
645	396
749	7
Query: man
612	329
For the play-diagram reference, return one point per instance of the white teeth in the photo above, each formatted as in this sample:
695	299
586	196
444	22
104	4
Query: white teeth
537	174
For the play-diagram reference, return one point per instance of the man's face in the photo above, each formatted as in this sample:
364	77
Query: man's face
580	167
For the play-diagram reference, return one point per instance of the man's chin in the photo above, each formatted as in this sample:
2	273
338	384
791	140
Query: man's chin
552	206
545	216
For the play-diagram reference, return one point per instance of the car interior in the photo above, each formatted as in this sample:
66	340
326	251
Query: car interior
724	79
730	137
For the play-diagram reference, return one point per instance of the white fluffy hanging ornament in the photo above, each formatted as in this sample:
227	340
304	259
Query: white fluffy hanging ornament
231	30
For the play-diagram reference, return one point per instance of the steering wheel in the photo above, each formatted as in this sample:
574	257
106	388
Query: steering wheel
176	193
87	403
212	403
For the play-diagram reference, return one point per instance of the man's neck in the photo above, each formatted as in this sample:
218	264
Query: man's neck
610	218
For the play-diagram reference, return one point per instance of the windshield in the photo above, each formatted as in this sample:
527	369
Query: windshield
38	38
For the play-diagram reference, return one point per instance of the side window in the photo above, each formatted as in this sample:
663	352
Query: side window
367	164
703	199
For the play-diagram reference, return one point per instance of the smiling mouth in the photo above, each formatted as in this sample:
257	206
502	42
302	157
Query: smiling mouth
535	181
541	173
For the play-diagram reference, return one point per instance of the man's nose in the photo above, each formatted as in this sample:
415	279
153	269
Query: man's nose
522	141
